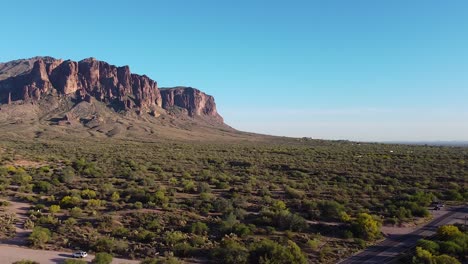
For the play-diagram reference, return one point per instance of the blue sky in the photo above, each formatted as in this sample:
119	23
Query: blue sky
359	70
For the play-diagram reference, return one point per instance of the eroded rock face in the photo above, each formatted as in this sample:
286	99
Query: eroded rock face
84	79
195	101
33	78
65	77
30	86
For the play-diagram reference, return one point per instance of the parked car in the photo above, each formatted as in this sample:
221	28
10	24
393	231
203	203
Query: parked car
80	254
437	205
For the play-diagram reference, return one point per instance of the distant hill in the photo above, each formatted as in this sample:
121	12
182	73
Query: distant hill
432	143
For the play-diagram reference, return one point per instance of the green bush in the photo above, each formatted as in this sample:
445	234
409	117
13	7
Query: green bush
39	236
429	245
102	258
26	262
75	261
199	228
268	251
230	252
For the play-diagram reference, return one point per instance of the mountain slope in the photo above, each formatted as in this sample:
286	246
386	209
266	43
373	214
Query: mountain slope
47	97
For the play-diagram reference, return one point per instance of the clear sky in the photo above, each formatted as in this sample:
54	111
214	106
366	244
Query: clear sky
333	69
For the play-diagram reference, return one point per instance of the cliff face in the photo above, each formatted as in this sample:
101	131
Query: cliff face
30	80
84	79
195	101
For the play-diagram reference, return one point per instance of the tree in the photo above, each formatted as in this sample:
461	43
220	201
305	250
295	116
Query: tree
448	231
429	245
367	226
450	247
39	236
102	258
445	259
422	256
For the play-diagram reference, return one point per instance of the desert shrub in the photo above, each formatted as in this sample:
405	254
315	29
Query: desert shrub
268	251
70	201
42	186
450	247
366	226
167	260
74	261
104	244
76	212
7	227
230	251
330	210
448	231
102	258
26	262
445	259
429	245
199	228
39	236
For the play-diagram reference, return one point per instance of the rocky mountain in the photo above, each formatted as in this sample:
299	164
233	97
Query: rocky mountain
44	95
194	101
30	80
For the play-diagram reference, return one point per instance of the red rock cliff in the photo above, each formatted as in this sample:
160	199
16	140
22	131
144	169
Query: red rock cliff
195	101
84	79
31	79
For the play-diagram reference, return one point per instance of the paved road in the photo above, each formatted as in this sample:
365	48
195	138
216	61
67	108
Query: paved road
10	254
387	250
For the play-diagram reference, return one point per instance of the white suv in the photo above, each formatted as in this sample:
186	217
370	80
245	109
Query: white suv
80	254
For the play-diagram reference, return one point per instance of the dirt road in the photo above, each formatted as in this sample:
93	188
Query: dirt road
20	209
11	250
10	254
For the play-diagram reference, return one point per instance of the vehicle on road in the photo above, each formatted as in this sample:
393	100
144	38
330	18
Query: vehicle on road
438	205
80	254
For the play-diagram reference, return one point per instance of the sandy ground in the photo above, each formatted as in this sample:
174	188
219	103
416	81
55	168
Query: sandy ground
20	209
10	254
12	250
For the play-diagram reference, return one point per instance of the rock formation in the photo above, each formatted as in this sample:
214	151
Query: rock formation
30	80
194	101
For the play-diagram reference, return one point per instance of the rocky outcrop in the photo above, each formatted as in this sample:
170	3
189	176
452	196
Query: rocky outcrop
196	102
30	80
85	79
27	86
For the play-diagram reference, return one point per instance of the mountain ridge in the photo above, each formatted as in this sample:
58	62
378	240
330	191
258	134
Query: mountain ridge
53	98
27	80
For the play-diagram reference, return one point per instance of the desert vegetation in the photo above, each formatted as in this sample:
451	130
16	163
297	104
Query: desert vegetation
289	201
448	246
